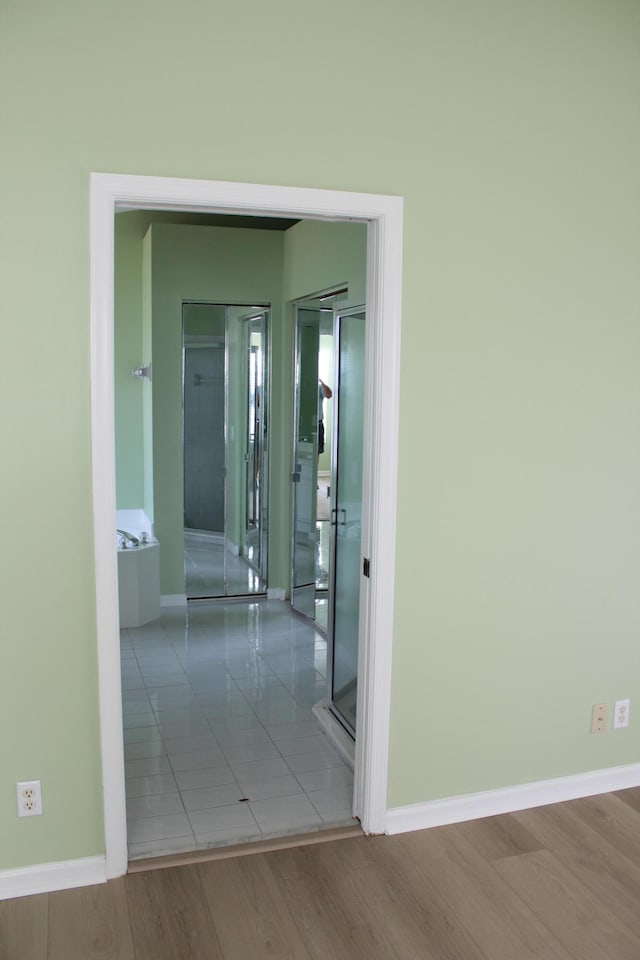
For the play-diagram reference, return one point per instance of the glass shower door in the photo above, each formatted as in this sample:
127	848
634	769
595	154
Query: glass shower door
305	464
255	513
204	413
346	515
225	449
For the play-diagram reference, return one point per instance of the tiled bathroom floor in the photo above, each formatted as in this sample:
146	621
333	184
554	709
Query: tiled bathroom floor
220	743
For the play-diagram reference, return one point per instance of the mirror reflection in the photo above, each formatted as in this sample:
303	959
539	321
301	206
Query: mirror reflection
225	405
327	485
312	458
350	332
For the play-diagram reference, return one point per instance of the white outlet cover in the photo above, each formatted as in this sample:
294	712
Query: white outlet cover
621	714
29	795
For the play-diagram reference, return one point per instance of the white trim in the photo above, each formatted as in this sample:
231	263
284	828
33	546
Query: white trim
102	229
113	192
131	192
276	593
173	600
46	877
207	536
524	796
383	306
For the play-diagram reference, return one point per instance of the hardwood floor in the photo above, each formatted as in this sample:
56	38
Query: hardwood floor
560	882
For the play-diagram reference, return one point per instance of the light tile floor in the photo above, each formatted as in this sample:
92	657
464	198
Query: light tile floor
220	742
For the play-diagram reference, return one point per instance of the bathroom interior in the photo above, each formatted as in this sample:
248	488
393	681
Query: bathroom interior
239	496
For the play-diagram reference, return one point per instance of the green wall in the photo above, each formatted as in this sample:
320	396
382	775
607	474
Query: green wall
147	389
319	256
129	354
215	264
511	132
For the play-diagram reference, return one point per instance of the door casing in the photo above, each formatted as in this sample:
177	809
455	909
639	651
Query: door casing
111	193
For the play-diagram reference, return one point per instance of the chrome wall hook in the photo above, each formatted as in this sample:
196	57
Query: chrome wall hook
142	373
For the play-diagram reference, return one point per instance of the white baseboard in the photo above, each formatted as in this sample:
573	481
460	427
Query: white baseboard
489	803
173	600
336	733
46	877
276	593
204	536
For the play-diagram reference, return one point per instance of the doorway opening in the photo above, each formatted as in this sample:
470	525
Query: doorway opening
222	743
383	214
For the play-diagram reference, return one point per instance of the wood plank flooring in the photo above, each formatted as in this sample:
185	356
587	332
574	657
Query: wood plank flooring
560	882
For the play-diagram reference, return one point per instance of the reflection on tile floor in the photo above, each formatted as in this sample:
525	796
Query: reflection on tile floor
211	570
220	742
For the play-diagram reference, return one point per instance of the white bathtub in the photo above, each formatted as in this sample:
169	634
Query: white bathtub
138	570
135	522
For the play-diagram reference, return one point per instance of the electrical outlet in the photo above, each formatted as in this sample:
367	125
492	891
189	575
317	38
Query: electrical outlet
29	798
599	717
621	714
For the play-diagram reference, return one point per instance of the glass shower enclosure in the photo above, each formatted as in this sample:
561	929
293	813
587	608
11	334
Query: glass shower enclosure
346	515
225	449
327	557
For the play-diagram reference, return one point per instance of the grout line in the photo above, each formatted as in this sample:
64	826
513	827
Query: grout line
183	679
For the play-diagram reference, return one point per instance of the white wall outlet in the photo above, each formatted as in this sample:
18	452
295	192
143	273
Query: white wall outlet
29	798
621	714
599	717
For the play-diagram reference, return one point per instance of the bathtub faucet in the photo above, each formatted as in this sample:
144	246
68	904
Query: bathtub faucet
128	537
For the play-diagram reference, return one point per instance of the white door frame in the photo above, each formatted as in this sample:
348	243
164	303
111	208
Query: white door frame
114	192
